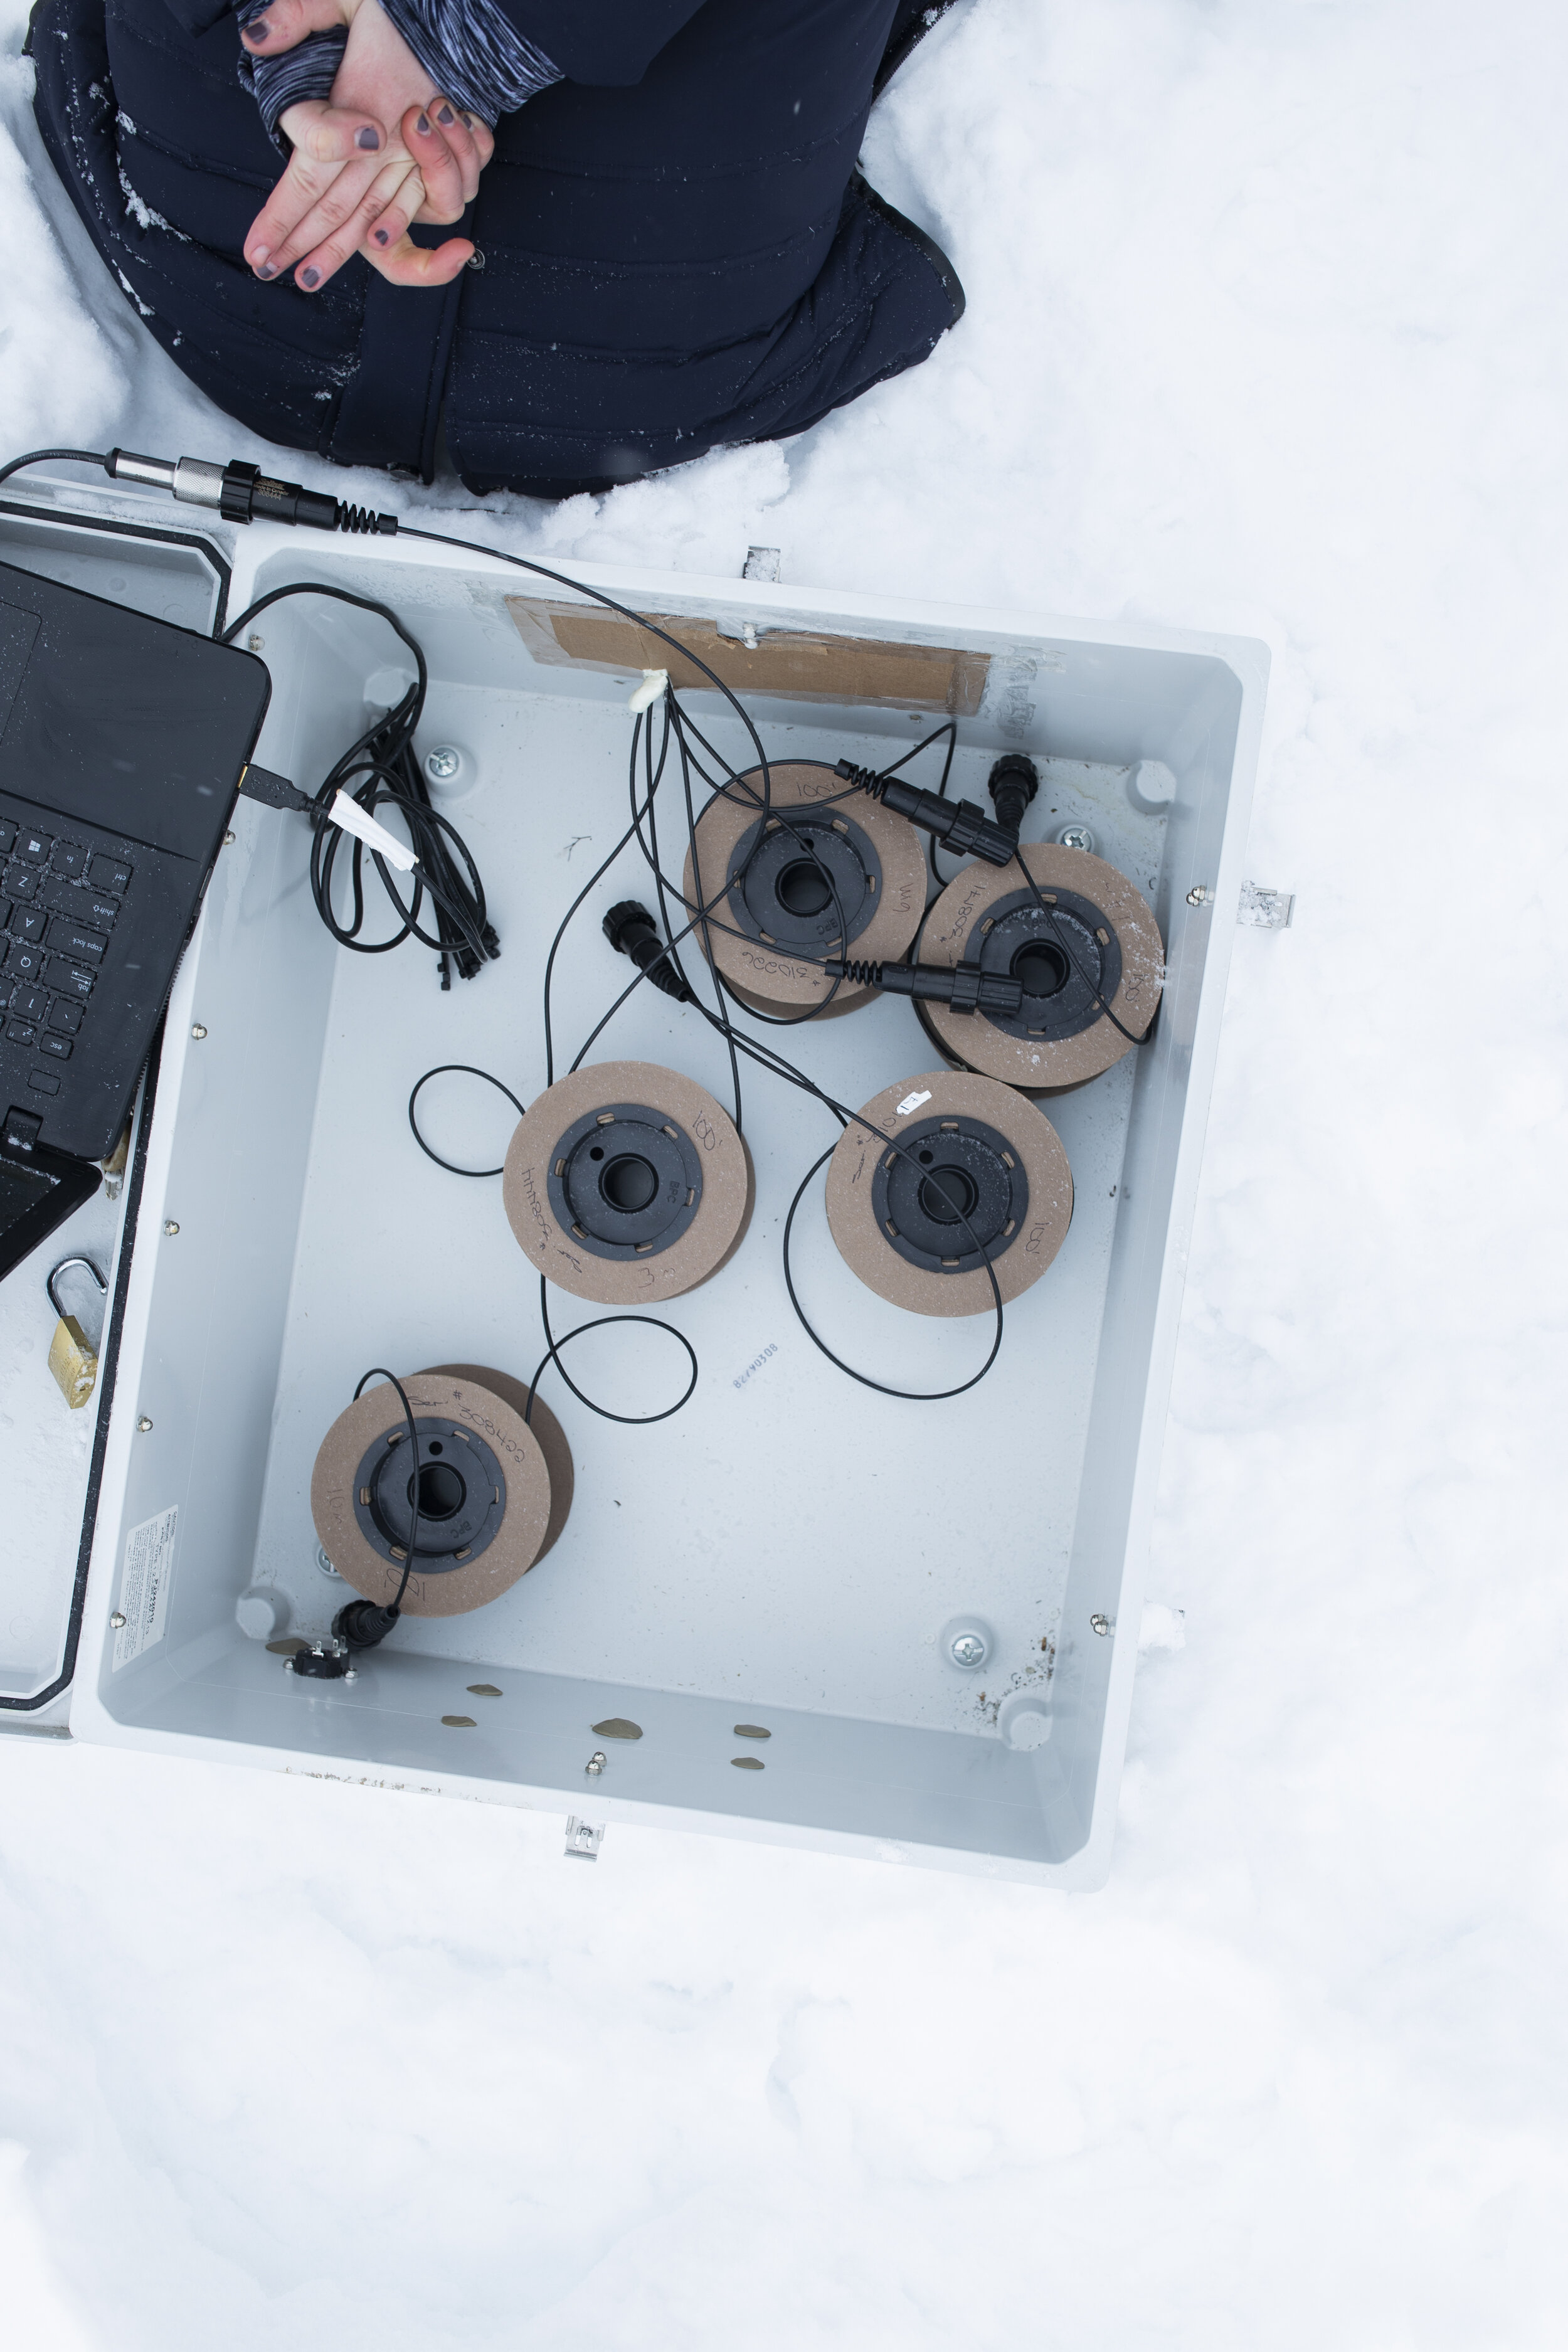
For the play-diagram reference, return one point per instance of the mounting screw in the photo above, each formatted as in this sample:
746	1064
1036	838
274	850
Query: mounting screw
254	642
197	1031
966	1643
169	1227
143	1424
118	1620
1102	1624
1076	836
229	841
596	1762
324	1564
351	1674
442	763
1198	896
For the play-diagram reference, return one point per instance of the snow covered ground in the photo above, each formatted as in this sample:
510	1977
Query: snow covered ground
1265	333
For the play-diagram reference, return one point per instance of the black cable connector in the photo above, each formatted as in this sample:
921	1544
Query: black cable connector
317	1663
276	791
632	932
1013	782
962	826
362	1623
243	493
963	986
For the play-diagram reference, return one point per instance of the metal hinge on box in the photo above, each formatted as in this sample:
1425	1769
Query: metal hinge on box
1265	911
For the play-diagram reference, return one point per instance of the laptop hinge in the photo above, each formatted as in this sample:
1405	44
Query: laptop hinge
21	1130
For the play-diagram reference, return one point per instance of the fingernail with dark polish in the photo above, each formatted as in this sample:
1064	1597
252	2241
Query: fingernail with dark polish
267	269
444	114
257	31
424	126
367	139
310	277
381	236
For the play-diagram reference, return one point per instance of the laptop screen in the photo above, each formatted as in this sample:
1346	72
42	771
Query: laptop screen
121	721
37	1192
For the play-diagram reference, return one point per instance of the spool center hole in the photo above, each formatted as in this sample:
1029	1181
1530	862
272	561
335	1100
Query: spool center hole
947	1194
442	1492
804	889
1040	968
628	1183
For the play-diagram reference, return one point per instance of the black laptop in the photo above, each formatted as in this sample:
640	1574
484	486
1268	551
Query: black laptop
122	744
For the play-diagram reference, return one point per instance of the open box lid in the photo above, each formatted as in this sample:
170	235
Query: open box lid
50	1453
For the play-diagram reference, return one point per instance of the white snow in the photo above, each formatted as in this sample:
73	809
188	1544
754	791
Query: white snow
1265	333
140	211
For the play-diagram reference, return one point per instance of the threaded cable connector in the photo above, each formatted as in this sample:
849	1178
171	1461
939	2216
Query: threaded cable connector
241	492
632	932
962	826
361	1624
364	519
1013	782
963	987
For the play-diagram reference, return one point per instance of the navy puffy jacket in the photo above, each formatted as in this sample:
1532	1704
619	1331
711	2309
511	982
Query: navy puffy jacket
679	251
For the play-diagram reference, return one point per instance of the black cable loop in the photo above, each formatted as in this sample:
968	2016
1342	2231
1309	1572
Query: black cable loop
905	1396
552	1355
380	1371
471	1070
383	761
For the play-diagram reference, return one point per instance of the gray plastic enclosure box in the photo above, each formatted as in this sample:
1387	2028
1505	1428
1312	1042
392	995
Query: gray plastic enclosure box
785	1552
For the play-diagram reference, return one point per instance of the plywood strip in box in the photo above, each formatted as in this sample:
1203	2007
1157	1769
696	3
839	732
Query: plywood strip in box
798	664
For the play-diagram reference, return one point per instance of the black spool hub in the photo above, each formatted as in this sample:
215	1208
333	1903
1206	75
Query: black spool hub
624	1181
1070	969
946	1166
462	1495
784	895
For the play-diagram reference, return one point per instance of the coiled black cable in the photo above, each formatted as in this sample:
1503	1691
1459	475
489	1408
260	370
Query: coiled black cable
377	772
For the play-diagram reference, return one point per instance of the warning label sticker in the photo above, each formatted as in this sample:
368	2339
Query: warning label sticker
144	1586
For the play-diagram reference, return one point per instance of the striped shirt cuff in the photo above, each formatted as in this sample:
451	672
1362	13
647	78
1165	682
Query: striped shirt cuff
473	54
278	83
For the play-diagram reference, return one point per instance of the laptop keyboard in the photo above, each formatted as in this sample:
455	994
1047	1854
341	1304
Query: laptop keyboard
59	900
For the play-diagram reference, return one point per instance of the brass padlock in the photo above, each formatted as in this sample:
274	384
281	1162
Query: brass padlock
73	1358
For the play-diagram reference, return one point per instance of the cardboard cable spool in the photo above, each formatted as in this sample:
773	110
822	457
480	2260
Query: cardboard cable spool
963	1143
627	1183
876	860
498	1488
1104	929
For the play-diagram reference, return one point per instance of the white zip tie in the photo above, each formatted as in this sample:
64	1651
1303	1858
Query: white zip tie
352	819
651	690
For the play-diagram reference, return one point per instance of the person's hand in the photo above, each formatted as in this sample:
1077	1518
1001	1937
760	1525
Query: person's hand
387	149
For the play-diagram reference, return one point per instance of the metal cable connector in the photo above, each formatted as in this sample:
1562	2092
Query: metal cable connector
243	493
